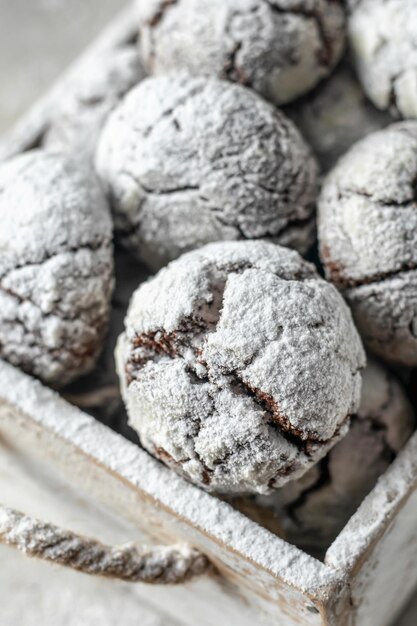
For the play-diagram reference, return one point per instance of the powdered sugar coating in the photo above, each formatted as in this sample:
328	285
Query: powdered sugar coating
56	266
315	508
368	238
91	94
280	48
383	39
187	161
239	366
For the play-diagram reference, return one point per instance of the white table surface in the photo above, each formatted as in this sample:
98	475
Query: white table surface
38	39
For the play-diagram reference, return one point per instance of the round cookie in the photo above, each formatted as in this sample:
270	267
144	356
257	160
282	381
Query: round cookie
56	266
280	48
382	36
314	509
367	226
187	161
239	366
90	95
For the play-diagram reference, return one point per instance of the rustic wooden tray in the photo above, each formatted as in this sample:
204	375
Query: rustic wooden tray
367	574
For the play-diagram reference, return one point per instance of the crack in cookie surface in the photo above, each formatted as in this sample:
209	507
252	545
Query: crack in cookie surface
324	56
160	12
214	414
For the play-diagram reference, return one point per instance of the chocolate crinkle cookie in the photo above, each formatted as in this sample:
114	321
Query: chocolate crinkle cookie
187	161
368	238
383	39
239	366
90	95
314	509
280	48
56	266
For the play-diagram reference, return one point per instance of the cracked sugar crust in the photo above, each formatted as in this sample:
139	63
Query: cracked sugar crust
315	508
382	36
187	161
77	119
280	48
336	115
368	208
56	266
239	366
367	226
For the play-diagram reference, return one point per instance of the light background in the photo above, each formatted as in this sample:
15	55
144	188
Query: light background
38	39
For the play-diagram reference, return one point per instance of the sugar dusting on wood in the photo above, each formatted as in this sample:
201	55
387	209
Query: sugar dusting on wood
56	266
212	516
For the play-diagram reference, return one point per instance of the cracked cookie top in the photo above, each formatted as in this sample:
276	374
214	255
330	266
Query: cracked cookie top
239	366
280	48
56	266
187	161
368	209
367	227
383	40
336	115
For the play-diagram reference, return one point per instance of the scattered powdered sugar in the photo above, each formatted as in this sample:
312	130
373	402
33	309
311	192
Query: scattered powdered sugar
368	237
187	161
56	266
280	48
382	36
239	366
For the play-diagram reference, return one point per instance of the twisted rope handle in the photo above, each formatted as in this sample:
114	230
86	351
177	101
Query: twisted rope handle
155	564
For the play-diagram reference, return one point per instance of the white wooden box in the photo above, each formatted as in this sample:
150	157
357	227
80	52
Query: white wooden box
105	485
